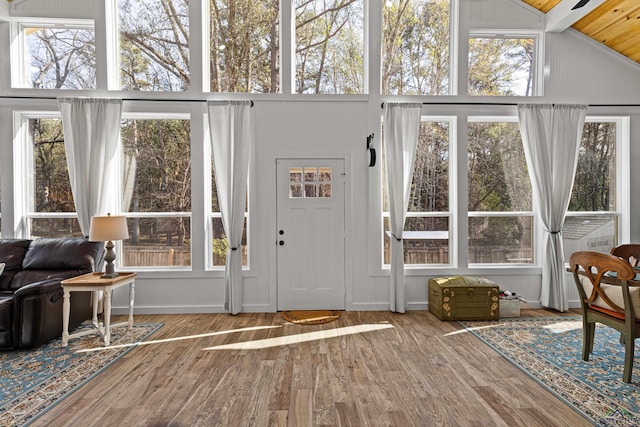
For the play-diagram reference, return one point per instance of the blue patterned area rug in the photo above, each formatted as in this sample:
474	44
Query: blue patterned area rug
33	381
549	350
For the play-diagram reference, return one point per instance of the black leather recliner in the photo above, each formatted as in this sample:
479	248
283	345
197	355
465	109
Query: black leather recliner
30	290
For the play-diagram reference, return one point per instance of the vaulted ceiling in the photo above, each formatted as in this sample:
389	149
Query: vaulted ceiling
615	23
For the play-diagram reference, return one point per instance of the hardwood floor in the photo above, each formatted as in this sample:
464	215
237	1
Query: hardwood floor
365	369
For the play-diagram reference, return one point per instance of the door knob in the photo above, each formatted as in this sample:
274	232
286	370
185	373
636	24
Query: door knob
281	242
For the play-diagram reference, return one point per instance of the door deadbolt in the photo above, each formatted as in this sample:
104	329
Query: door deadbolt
281	232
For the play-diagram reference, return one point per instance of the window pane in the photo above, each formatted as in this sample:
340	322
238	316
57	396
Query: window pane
329	46
154	44
54	227
501	240
430	185
426	240
497	169
51	187
501	66
589	233
415	47
221	244
157	242
60	58
157	178
162	173
245	46
594	187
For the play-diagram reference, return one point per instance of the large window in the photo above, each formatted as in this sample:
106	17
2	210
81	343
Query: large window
54	54
500	201
504	65
592	222
329	46
157	191
154	45
49	206
244	46
427	231
416	47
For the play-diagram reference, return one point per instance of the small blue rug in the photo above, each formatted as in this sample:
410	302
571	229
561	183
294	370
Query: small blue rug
549	350
33	381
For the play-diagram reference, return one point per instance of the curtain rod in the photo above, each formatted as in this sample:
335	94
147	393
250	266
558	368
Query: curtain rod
515	104
124	99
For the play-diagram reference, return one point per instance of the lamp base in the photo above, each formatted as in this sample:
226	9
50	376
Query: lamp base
109	275
109	268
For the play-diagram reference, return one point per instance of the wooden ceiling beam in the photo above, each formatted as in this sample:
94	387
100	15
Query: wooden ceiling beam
563	15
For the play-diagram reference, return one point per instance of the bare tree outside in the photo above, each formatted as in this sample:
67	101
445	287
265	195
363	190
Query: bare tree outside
154	44
329	46
245	46
415	47
60	58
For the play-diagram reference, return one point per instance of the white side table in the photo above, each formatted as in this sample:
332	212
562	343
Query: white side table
92	282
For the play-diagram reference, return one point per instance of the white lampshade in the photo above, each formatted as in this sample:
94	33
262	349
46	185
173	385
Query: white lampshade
109	227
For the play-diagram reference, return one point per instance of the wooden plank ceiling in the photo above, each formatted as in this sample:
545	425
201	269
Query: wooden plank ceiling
615	23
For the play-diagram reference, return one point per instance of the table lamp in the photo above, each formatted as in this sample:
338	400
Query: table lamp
107	229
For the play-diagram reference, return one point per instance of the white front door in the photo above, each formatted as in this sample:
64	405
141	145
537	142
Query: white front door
310	234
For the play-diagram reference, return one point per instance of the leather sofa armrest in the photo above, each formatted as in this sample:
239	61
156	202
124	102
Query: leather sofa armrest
43	287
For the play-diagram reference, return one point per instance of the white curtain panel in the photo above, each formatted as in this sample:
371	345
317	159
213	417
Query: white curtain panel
551	135
91	130
401	125
232	132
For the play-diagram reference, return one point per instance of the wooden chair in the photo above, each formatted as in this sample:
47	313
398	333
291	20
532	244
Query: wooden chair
629	252
608	295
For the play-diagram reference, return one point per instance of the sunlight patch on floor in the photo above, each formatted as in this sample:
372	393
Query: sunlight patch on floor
187	337
300	338
564	326
464	331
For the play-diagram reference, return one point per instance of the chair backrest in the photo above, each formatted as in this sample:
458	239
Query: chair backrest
629	252
590	268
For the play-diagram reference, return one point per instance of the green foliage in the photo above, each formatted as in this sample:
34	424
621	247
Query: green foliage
500	66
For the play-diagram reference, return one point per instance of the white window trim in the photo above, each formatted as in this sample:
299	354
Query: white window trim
538	64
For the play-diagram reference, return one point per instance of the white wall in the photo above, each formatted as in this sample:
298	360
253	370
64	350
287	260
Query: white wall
578	70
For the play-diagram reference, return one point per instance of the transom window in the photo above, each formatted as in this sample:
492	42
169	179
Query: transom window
154	45
416	47
504	64
54	54
329	46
